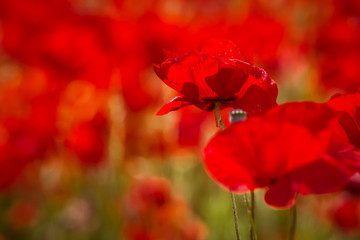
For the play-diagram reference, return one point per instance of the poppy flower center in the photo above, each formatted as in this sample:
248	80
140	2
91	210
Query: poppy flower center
218	99
272	181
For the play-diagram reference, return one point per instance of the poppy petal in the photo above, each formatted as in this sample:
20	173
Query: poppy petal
349	107
321	177
175	104
281	194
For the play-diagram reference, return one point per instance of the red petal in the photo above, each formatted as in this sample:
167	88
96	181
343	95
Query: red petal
258	94
313	116
259	77
281	194
255	101
320	177
349	107
175	104
223	164
229	79
188	76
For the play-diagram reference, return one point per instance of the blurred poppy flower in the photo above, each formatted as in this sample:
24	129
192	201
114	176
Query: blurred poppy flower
135	90
285	150
24	24
65	45
23	214
344	209
88	140
339	54
154	211
252	31
23	140
350	8
216	74
345	214
189	127
27	123
71	50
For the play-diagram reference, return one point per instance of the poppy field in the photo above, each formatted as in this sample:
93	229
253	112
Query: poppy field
179	119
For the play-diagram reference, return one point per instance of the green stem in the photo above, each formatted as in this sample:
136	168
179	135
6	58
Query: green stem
293	222
250	204
222	125
218	120
252	223
217	115
235	216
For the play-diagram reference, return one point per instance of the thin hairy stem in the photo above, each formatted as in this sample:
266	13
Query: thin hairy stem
236	223
250	205
293	222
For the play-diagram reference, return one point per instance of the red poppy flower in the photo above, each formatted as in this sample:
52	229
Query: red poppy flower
215	74
285	150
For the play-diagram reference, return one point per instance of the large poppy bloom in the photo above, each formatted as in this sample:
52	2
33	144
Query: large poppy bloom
215	74
286	150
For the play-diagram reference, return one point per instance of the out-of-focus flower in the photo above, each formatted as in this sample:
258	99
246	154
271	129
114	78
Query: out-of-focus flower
24	23
339	54
67	46
344	210
248	30
22	214
252	31
345	215
135	84
189	127
88	140
27	123
153	211
216	74
349	8
83	122
79	215
79	48
287	150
